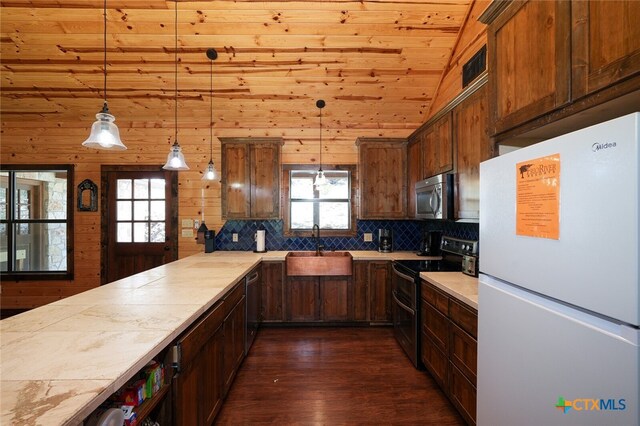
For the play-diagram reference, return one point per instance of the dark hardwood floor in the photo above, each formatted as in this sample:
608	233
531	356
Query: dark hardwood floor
333	376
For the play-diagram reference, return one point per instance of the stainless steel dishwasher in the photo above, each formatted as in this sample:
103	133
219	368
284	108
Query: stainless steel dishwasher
253	283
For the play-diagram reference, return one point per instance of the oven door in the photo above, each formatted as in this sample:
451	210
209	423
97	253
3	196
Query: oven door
405	314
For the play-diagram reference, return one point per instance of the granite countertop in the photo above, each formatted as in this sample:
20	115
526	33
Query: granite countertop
456	284
59	362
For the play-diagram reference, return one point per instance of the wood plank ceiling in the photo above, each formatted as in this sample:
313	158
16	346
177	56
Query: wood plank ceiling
376	63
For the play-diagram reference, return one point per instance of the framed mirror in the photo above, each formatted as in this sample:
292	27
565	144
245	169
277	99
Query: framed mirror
87	196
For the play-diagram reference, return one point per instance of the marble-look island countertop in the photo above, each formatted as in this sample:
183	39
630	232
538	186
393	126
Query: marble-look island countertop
59	362
456	284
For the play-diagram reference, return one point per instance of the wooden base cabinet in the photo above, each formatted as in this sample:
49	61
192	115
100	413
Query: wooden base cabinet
272	291
198	390
372	291
450	348
234	335
209	354
319	299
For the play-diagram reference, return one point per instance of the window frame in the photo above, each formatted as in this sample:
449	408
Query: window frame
11	221
286	198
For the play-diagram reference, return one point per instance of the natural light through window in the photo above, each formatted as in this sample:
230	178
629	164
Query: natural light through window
328	205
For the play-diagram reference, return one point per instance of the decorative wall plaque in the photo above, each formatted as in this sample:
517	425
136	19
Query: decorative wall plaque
87	196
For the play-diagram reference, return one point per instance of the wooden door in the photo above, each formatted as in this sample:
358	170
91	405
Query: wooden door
414	174
529	61
139	220
471	118
605	44
335	298
236	181
272	288
383	178
265	180
197	387
380	291
361	291
234	329
302	299
437	147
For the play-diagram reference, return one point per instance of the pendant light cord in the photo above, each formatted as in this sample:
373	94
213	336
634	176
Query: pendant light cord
211	110
104	40
320	139
176	73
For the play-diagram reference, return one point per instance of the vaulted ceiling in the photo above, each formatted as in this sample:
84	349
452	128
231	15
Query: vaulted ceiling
376	63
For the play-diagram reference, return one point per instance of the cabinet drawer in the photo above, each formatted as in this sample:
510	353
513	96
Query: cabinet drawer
200	333
436	326
465	317
464	352
462	394
435	361
435	297
233	297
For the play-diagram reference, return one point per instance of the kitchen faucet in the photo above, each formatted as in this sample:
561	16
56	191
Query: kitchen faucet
315	233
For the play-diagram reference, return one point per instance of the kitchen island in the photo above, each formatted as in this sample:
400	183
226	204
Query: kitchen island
59	362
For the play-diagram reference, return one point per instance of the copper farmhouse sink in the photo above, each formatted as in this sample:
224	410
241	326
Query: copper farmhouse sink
326	263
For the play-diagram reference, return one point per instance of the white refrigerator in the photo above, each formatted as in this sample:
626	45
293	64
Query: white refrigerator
558	326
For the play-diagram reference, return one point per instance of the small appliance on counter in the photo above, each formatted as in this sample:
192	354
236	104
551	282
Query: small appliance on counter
209	241
260	237
430	245
385	240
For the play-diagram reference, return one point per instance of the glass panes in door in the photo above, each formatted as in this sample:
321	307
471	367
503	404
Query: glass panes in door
140	211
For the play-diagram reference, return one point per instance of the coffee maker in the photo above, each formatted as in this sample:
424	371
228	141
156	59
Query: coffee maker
385	241
430	245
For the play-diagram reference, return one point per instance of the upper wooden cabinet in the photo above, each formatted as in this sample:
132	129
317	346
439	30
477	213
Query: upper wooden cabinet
530	61
605	44
383	178
437	147
471	122
251	178
559	66
414	174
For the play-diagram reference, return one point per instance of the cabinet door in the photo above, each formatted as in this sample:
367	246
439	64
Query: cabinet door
605	44
383	178
302	299
380	291
265	181
464	353
335	298
234	333
436	362
236	181
530	58
212	375
462	394
360	291
471	119
437	147
272	288
198	384
414	174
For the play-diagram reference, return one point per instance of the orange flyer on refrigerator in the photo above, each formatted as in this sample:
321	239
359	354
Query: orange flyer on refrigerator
538	197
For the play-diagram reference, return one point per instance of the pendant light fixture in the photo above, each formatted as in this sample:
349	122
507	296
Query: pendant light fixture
320	178
104	132
175	159
210	172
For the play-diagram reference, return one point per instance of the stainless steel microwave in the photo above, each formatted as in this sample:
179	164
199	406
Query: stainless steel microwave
434	197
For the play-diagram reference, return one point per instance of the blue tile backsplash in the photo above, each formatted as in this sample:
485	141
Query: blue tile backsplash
407	235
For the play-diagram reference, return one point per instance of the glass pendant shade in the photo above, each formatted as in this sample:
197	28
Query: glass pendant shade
175	159
104	133
320	179
210	172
